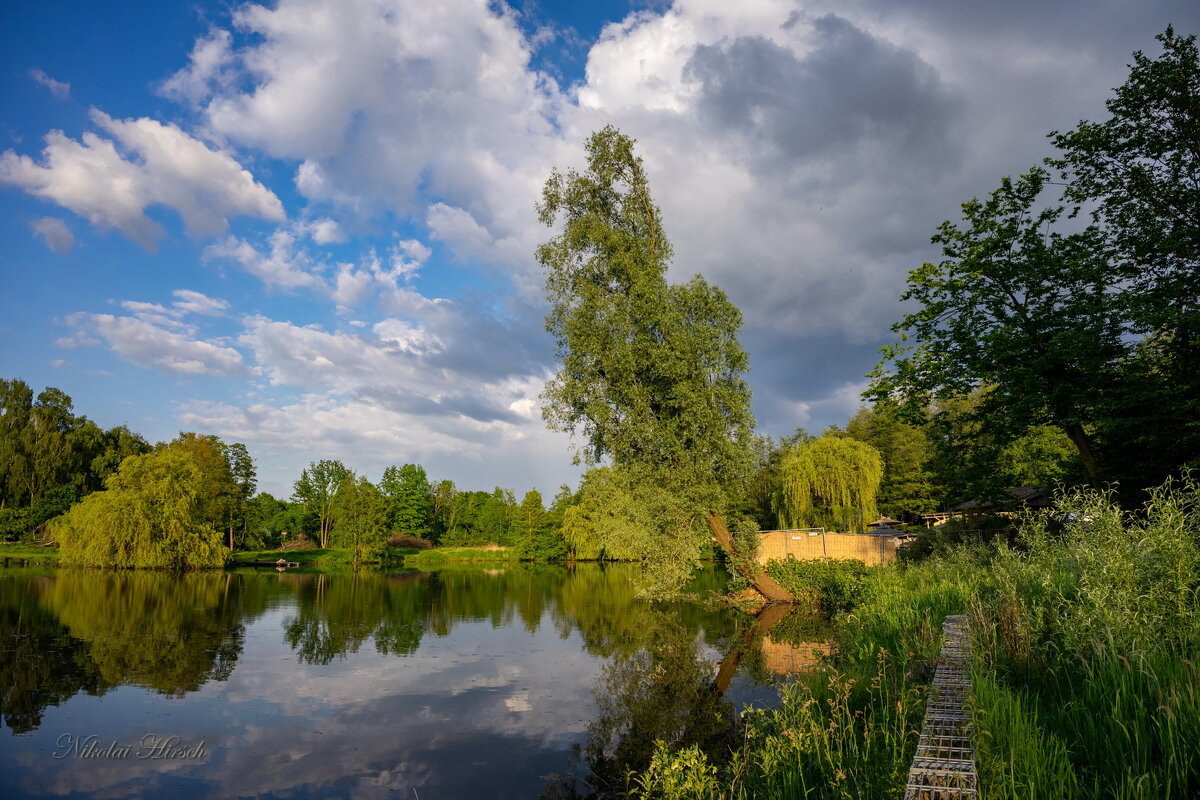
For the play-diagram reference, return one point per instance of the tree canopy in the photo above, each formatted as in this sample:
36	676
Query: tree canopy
831	483
907	487
410	499
1016	306
45	446
651	373
316	489
160	509
1093	330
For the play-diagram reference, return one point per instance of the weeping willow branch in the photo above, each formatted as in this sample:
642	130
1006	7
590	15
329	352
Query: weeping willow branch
829	483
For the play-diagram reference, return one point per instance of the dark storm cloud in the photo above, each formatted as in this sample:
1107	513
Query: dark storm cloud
1086	25
851	91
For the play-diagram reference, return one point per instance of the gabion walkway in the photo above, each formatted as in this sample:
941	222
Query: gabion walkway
944	767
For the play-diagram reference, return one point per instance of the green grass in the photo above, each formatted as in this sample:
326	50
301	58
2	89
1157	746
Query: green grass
305	558
441	556
1086	668
27	554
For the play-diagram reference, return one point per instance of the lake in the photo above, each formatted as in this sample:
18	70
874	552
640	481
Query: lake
523	682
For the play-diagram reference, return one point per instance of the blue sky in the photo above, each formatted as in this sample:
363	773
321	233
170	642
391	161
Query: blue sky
309	226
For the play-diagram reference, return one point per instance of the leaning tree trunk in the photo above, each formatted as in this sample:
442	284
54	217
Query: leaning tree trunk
767	619
763	583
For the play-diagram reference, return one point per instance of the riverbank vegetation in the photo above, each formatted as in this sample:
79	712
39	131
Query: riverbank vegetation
1086	641
17	553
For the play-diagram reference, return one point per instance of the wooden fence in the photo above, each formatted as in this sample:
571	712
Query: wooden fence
870	548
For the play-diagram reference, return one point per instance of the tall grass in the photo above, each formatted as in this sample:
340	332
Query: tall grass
833	737
1086	679
849	730
1085	637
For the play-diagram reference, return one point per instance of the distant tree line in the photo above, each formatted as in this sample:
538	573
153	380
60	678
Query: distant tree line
50	458
110	497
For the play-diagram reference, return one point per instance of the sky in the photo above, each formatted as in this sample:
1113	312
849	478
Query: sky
309	226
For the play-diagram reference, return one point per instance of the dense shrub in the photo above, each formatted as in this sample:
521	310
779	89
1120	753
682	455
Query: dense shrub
298	541
835	584
404	540
14	522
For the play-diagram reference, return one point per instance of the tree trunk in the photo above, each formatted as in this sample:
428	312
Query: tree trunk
1083	443
770	615
763	583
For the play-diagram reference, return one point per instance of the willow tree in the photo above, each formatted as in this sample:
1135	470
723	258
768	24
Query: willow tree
829	483
651	374
155	512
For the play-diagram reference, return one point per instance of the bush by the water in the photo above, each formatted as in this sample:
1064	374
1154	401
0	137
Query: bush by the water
404	540
834	585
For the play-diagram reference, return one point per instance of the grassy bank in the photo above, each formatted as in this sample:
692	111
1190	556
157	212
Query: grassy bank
1085	641
15	553
317	558
442	556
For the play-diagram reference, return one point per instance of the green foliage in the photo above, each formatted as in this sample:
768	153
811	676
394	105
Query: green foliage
621	516
410	499
1043	456
361	516
266	519
829	482
477	518
652	373
1017	306
316	489
158	511
1087	642
536	533
907	487
44	446
835	584
119	444
1095	331
14	523
1139	173
245	479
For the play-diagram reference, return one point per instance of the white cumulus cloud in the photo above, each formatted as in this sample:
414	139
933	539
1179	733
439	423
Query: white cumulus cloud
140	341
166	167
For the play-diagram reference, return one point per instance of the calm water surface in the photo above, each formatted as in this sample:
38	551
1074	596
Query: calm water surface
525	682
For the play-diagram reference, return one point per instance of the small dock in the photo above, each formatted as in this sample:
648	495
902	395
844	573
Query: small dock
280	564
944	767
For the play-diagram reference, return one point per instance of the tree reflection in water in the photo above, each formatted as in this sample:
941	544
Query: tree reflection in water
665	690
91	630
71	632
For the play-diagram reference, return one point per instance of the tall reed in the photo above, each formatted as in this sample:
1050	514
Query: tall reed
1085	641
